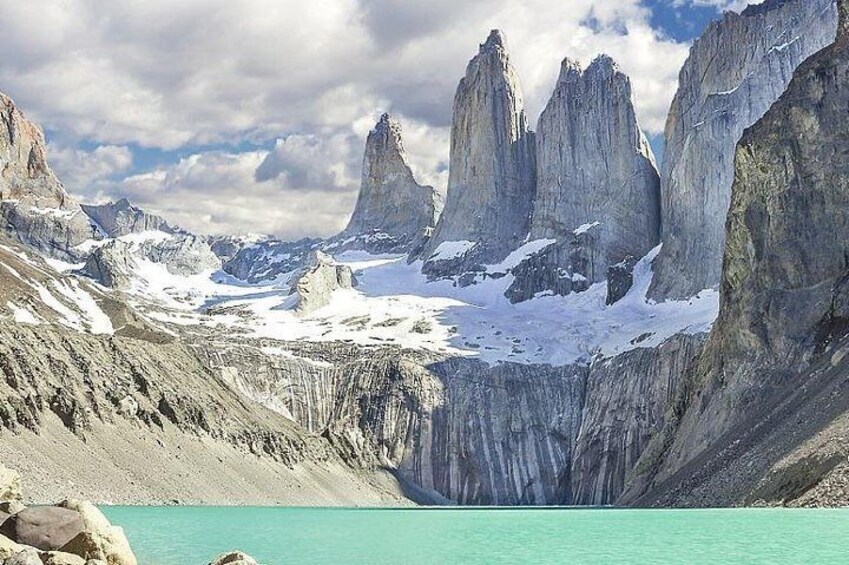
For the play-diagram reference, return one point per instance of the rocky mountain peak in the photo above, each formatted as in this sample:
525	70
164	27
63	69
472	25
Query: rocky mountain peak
843	18
393	211
598	191
122	218
491	181
569	70
25	173
495	41
735	71
35	209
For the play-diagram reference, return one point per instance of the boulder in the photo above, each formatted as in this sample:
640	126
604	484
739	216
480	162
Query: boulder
234	558
10	485
99	539
9	547
27	556
44	527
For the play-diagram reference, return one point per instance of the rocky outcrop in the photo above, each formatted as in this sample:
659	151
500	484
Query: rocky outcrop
393	212
122	218
314	287
113	265
762	416
182	254
734	73
595	167
34	207
491	182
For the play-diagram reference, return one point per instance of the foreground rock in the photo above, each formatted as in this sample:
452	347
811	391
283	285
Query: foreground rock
763	417
491	175
393	212
734	73
595	168
70	533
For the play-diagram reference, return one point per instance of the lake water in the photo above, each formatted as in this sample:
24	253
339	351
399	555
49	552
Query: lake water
194	535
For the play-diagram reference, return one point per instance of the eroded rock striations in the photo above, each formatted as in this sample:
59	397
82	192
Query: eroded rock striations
595	166
763	416
393	212
34	207
491	176
734	73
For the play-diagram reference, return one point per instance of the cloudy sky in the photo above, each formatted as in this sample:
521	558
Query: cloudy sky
250	116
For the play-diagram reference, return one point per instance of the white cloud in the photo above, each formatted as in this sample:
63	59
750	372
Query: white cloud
83	172
181	75
217	192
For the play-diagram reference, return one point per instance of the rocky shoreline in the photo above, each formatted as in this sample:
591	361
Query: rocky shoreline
72	532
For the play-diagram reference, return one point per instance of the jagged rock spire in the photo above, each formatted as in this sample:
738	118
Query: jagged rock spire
595	167
491	174
391	203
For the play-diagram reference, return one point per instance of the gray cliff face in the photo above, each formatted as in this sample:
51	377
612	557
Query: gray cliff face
763	415
465	431
491	182
734	73
315	286
594	165
34	207
122	218
393	211
627	398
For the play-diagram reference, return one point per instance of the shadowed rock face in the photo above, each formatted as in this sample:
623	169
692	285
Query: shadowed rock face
763	416
734	73
393	211
491	178
595	165
34	207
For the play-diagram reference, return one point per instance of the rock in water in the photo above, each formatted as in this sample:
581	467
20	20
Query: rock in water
315	286
595	166
491	177
122	218
734	73
393	211
234	558
772	380
34	206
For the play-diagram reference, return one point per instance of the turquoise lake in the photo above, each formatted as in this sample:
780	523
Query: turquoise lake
195	535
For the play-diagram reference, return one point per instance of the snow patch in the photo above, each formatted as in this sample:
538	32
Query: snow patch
448	250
